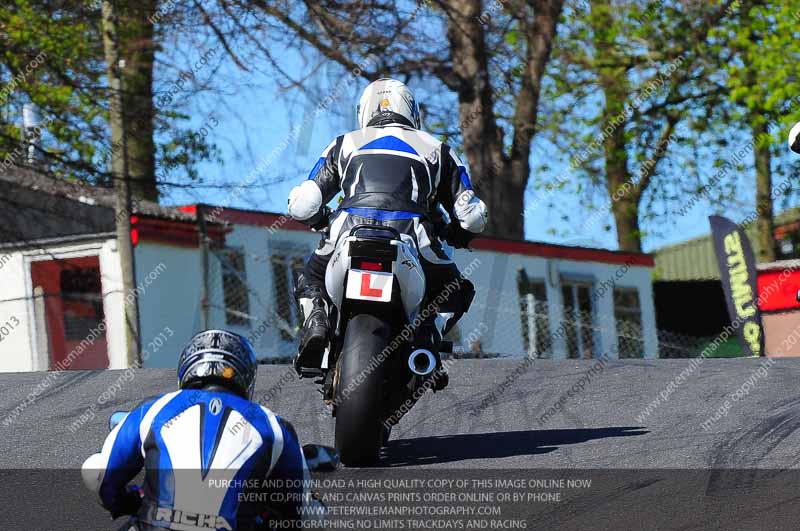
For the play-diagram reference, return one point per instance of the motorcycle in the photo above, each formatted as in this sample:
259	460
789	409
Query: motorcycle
379	358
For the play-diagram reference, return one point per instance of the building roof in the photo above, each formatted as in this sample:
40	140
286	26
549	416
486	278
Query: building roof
780	265
28	215
690	260
695	259
501	245
790	215
36	207
83	192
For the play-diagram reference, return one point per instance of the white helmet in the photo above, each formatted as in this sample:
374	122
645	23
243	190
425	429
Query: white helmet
387	96
794	141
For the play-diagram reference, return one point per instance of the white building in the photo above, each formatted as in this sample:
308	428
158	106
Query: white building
61	297
61	302
595	288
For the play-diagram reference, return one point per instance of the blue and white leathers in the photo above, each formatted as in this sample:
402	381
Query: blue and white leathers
212	460
390	173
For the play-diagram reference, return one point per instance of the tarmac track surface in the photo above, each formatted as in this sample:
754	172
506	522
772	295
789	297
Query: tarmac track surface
662	447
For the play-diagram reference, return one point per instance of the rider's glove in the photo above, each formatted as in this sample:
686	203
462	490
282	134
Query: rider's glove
129	503
458	237
320	220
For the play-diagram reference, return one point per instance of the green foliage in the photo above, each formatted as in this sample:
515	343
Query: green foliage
625	73
720	67
762	61
51	55
48	59
730	348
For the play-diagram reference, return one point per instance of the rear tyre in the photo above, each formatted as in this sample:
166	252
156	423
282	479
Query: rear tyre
359	393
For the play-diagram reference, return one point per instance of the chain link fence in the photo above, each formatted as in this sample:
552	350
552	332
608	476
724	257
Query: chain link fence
673	345
253	294
266	312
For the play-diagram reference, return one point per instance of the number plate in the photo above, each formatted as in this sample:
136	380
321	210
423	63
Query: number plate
369	285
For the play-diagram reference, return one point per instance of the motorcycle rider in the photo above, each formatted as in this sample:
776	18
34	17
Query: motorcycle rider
794	138
205	448
391	173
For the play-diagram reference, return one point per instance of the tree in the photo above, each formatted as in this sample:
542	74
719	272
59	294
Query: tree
491	61
758	46
51	56
137	50
645	71
122	177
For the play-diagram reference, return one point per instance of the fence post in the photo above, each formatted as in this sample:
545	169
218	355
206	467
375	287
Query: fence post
203	237
530	300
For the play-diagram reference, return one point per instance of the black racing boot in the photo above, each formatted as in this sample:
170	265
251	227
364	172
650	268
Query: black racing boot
315	333
440	377
313	338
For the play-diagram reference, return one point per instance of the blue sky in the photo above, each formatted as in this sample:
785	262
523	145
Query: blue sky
254	116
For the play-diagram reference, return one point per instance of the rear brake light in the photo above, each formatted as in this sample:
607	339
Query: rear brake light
372	266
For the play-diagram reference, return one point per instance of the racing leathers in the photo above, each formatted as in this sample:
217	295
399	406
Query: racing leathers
388	173
212	460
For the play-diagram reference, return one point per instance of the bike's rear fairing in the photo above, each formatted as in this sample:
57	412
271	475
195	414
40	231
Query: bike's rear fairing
376	284
375	274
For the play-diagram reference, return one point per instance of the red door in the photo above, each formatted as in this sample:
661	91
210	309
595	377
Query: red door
73	310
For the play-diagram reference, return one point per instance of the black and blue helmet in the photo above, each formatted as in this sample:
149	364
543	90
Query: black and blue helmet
218	357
